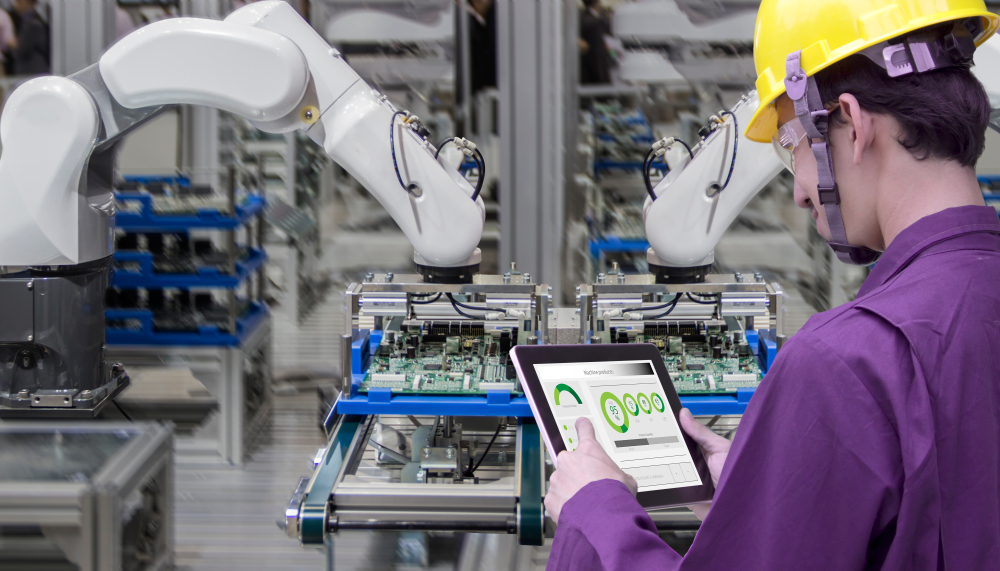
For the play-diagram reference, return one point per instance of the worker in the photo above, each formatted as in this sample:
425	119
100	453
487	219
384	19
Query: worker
8	40
874	440
595	59
31	56
482	45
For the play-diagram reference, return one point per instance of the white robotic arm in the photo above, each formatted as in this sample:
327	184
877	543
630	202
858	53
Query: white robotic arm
265	63
691	213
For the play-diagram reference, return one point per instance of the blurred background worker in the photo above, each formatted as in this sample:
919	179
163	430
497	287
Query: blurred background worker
595	59
874	440
8	40
483	44
31	55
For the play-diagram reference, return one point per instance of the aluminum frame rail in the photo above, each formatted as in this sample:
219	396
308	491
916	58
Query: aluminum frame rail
331	501
643	285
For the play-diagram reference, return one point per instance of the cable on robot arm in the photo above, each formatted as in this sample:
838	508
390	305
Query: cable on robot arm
715	122
470	150
659	149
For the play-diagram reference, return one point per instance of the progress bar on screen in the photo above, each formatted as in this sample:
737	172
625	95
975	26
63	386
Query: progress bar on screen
645	442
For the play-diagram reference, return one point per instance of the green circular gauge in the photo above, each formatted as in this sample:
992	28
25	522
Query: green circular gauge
644	404
614	412
657	402
561	388
630	405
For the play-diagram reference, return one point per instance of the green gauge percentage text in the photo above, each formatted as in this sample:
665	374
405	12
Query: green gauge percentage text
630	404
644	403
614	412
657	402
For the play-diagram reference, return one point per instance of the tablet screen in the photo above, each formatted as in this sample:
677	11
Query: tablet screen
633	422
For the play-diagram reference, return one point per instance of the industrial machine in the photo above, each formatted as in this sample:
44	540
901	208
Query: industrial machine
60	136
430	383
430	380
718	333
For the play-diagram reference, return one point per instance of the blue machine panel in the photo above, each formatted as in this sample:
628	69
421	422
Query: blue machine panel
381	401
147	220
206	336
208	277
501	403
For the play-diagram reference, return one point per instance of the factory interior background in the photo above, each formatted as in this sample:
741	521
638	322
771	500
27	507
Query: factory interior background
563	102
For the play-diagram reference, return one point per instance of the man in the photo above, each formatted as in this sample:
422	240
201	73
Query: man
595	59
483	45
874	440
31	56
8	40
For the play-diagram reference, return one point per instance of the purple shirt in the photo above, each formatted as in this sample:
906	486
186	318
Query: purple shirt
873	442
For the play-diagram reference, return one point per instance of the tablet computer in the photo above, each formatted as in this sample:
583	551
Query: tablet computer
625	391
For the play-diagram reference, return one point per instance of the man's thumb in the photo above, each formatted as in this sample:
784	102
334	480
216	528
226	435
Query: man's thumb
709	441
584	429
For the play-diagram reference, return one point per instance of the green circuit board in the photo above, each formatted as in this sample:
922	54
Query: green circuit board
692	367
470	362
440	359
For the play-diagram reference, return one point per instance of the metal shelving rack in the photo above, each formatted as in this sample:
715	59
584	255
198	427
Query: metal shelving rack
230	356
617	140
289	169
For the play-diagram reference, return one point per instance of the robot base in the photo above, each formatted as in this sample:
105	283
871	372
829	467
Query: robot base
52	352
670	275
70	404
438	275
460	273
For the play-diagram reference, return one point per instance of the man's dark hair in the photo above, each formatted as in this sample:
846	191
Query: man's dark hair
943	113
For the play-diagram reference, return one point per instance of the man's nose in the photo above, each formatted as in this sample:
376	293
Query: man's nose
801	198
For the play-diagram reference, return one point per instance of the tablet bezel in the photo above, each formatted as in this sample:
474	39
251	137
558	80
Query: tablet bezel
527	356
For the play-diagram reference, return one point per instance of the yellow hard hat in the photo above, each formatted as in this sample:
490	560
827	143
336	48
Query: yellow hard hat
828	31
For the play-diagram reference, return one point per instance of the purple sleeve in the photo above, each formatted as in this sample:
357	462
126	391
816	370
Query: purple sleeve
604	527
813	476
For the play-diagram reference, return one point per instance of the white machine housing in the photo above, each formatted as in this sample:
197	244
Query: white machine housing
657	21
376	26
653	23
688	217
265	63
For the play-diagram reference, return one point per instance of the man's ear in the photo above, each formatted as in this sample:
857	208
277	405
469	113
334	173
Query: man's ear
860	125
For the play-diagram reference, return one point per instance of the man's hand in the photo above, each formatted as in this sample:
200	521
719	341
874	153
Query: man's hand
714	447
588	463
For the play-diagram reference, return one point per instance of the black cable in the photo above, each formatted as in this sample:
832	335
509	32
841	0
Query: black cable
472	469
392	145
646	163
702	302
118	406
686	146
736	144
460	304
669	311
428	302
477	157
481	162
441	146
656	308
456	305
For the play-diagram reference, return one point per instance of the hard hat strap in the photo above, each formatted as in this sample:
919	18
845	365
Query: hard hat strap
804	93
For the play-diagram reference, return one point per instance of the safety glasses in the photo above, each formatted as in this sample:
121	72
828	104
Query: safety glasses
791	135
786	139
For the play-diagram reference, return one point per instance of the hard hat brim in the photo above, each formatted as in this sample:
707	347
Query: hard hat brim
816	58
